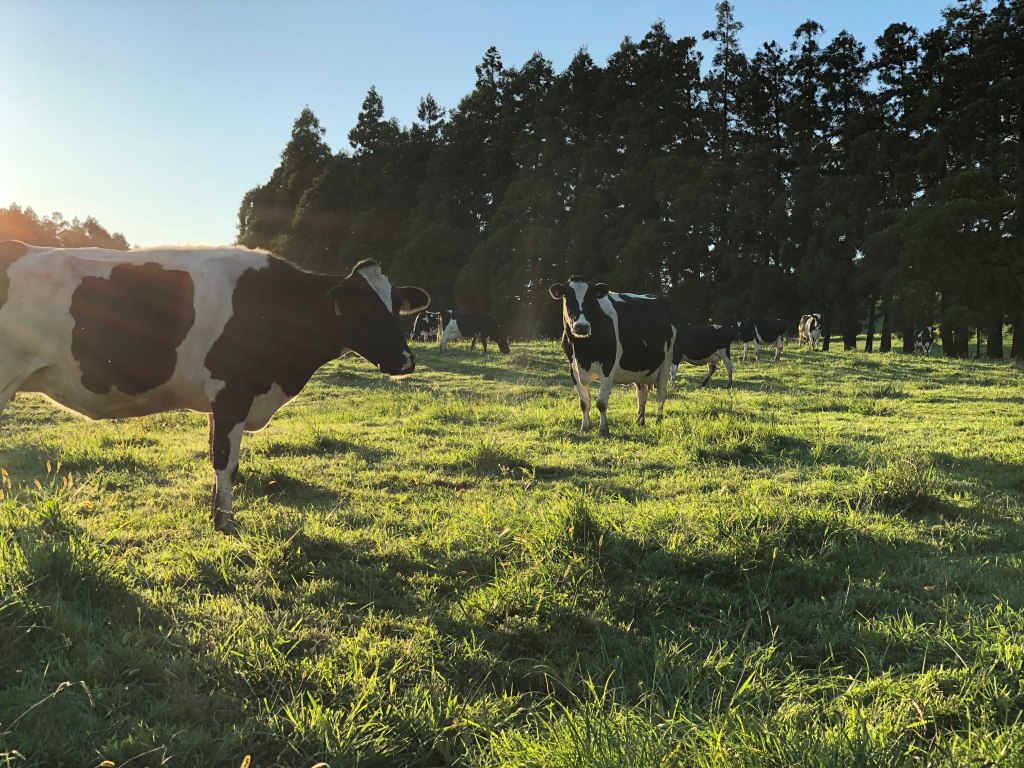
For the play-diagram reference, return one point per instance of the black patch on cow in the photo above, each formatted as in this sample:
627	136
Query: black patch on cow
128	327
10	252
278	332
645	331
696	343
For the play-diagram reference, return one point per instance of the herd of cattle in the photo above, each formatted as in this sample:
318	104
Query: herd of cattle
236	334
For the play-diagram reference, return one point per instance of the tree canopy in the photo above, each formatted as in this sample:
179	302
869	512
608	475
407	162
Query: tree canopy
879	188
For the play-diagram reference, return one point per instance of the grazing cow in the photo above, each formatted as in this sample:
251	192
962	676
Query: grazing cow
426	326
700	344
471	325
761	333
809	330
229	332
924	339
615	338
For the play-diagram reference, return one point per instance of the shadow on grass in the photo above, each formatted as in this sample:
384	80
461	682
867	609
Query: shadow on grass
75	617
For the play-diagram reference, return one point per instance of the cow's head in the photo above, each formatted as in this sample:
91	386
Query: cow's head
745	329
368	307
579	301
502	340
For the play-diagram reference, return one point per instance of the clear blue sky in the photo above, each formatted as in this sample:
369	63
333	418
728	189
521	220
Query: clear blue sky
157	117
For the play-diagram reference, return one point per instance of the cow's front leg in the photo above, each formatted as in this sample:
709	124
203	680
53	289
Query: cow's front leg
583	390
642	391
778	349
603	394
226	425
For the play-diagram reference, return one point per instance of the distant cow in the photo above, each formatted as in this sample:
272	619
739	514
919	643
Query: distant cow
425	327
761	333
229	332
704	344
475	326
924	339
615	338
809	330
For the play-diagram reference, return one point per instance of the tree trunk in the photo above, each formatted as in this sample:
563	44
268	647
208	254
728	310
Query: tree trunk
1017	345
908	341
994	349
885	341
956	342
826	334
869	343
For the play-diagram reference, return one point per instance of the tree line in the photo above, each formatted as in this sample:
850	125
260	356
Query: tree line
24	224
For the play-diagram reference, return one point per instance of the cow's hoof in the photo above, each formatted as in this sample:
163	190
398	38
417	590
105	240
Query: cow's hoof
227	526
603	431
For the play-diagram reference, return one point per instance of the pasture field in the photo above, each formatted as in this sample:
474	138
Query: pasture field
821	568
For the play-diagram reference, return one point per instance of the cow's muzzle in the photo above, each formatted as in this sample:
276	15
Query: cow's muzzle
581	330
403	366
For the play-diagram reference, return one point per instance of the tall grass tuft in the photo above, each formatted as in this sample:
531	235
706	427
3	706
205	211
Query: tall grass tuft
902	485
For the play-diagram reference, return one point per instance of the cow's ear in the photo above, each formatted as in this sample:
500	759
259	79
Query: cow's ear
557	291
413	299
600	290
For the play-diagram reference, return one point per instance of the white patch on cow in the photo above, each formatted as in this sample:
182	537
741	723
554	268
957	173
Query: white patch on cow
580	290
451	333
264	407
380	284
634	296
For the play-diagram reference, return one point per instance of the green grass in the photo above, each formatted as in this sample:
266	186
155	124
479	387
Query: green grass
822	568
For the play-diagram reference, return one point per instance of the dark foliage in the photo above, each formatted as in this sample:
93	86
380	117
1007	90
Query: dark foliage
880	189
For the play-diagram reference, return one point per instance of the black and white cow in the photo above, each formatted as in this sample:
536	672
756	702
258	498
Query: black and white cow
476	326
924	339
426	326
615	338
809	330
704	344
761	333
229	332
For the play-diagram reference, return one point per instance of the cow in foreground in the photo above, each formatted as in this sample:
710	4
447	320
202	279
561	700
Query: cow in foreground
704	344
229	332
426	326
760	333
809	331
615	338
924	339
475	326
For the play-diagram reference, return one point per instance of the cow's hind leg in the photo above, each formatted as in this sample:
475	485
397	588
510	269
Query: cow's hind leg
727	362
662	393
642	390
711	372
603	393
